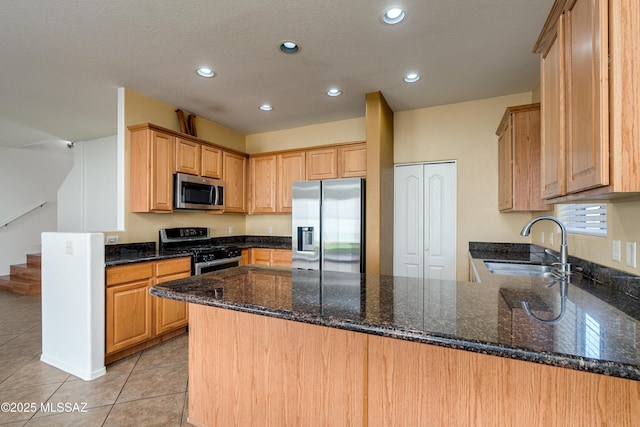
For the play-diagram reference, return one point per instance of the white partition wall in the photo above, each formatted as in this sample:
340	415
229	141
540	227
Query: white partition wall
73	317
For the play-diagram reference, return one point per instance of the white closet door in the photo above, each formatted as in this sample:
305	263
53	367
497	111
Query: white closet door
425	221
408	221
440	221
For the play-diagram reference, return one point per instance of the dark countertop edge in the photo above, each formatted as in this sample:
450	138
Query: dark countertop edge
143	258
603	367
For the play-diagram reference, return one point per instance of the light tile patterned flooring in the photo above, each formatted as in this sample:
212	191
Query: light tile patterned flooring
145	389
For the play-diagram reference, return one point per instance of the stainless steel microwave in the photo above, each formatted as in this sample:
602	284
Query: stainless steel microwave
197	192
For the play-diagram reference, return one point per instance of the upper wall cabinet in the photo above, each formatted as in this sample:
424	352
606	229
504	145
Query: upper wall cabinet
519	160
352	161
322	163
156	153
590	68
151	171
234	168
271	175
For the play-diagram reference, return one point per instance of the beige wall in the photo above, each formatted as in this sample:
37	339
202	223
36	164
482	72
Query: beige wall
465	132
142	227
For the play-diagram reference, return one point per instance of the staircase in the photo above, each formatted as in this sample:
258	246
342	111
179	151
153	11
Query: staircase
24	279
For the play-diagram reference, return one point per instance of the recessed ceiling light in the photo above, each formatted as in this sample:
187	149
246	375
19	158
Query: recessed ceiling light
412	77
205	72
334	92
289	46
393	16
266	107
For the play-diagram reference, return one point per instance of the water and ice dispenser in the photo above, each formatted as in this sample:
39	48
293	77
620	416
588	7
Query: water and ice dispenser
305	239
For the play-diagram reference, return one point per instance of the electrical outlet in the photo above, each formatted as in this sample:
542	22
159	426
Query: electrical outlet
631	254
270	230
615	252
230	230
112	239
69	247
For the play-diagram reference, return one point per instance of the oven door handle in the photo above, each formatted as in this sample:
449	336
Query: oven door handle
200	265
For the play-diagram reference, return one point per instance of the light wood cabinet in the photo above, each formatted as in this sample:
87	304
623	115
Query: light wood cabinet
156	153
262	182
211	165
352	161
151	171
271	257
245	255
590	57
134	319
519	160
170	314
290	168
187	156
234	168
128	306
322	163
270	181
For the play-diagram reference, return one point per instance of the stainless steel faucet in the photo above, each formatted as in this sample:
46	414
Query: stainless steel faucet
565	268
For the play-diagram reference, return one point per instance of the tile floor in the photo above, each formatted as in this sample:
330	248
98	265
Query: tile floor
145	389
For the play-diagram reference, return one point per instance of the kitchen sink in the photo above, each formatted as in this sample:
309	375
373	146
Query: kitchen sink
519	269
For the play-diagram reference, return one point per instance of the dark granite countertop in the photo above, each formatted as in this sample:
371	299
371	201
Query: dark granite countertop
593	336
131	253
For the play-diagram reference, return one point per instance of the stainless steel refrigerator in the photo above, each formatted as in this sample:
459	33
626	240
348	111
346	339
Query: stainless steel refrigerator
328	225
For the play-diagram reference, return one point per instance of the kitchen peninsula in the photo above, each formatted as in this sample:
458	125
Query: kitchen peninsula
274	346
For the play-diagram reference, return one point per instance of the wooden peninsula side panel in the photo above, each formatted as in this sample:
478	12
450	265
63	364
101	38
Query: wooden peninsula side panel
415	384
247	369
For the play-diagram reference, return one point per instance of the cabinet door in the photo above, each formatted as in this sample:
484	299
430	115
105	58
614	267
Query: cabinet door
587	94
261	256
161	176
151	171
352	161
262	172
246	257
128	315
211	162
322	163
187	156
234	172
281	257
552	74
291	168
170	314
505	168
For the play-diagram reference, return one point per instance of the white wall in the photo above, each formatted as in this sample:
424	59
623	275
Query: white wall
87	200
29	176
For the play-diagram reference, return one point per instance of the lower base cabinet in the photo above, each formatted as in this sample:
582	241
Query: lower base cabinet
265	256
134	318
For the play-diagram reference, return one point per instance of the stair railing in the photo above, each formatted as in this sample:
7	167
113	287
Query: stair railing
6	224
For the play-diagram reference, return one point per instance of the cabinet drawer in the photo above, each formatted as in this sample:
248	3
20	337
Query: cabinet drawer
129	273
173	266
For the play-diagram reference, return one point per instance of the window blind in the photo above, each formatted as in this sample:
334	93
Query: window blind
584	218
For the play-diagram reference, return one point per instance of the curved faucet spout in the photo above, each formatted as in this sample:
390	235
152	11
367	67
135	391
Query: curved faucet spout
565	267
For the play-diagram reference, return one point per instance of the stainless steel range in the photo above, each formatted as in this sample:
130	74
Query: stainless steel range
205	255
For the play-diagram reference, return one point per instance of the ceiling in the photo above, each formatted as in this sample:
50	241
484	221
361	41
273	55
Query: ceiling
63	60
